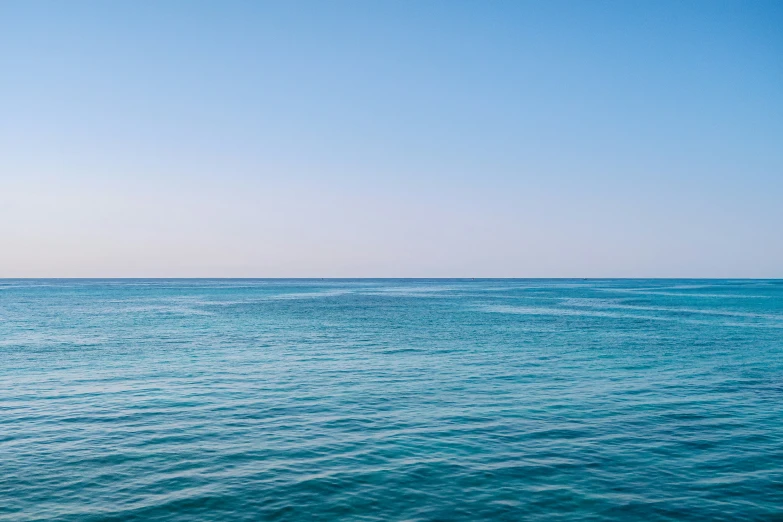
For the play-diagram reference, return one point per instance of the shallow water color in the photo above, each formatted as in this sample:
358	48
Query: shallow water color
177	400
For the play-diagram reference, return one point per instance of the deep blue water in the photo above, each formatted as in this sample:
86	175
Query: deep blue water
379	400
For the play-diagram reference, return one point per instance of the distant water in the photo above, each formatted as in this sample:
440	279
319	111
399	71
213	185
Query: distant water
384	400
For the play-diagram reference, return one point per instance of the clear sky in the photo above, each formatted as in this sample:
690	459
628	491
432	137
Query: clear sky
391	139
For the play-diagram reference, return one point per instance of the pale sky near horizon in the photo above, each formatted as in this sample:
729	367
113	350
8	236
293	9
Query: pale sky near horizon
391	139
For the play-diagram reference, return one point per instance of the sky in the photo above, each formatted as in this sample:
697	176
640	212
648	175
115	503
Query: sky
391	139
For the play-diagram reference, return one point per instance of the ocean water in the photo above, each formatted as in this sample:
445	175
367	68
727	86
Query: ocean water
183	400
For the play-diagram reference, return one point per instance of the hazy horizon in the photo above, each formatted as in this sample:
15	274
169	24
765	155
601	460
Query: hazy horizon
461	279
406	139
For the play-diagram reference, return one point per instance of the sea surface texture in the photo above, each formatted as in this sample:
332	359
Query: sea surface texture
375	400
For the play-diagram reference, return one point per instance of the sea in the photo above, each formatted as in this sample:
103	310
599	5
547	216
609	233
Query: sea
391	400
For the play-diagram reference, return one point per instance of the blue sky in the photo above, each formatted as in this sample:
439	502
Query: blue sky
391	139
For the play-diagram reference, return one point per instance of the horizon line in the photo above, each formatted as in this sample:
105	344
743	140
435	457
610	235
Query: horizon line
420	278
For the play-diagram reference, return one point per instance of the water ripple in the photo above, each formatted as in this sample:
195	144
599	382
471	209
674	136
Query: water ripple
390	400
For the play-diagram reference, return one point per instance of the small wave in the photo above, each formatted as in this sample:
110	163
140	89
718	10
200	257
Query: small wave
565	312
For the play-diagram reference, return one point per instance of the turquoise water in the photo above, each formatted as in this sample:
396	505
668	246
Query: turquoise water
391	400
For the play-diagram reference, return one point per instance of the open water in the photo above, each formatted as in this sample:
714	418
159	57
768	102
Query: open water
374	400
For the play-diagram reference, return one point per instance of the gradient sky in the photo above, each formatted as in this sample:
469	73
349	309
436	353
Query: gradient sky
391	139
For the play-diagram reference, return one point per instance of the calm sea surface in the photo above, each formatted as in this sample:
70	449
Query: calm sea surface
182	400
